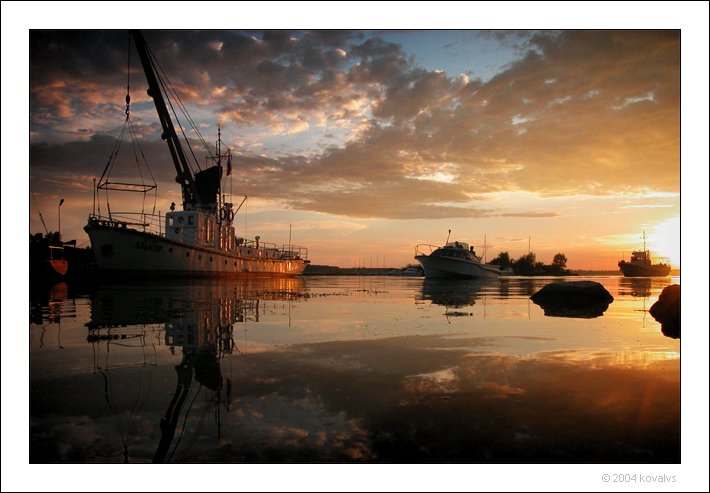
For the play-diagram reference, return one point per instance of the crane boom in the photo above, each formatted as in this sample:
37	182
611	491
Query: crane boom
190	193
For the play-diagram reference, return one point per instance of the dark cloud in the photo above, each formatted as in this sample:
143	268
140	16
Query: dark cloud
581	112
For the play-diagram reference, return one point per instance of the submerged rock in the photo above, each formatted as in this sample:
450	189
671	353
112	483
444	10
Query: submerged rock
575	299
667	311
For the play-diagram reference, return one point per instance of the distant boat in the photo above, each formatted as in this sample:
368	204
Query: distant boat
455	260
47	262
640	264
200	239
409	271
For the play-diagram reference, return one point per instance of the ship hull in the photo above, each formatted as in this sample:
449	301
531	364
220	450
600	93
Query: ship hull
631	270
452	268
130	252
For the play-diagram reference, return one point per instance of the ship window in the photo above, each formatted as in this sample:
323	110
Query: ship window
187	254
210	259
170	221
181	219
199	257
190	220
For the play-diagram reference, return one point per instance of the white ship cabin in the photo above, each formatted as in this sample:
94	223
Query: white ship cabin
198	229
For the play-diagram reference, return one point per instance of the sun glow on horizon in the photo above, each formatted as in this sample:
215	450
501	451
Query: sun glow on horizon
664	240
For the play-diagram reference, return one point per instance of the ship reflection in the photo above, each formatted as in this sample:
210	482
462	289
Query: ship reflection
638	287
196	318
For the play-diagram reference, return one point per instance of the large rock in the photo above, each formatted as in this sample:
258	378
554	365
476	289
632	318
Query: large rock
667	311
576	299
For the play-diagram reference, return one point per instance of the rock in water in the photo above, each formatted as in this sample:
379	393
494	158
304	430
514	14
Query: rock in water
667	311
577	299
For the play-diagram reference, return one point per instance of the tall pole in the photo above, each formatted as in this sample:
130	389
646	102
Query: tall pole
485	245
59	218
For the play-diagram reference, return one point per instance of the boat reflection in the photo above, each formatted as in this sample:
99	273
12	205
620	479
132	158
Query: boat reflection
452	293
197	318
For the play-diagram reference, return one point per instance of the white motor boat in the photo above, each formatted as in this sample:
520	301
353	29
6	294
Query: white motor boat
455	260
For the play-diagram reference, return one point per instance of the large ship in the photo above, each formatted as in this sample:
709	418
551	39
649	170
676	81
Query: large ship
641	265
198	240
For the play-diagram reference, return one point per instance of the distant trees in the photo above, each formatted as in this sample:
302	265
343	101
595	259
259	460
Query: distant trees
527	265
503	260
559	264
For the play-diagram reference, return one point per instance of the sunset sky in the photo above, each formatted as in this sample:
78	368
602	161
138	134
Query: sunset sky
368	142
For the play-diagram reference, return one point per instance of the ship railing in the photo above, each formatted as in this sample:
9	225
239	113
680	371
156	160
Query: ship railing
293	252
284	252
425	249
148	223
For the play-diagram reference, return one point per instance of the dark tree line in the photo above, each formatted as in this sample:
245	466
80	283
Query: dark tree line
527	265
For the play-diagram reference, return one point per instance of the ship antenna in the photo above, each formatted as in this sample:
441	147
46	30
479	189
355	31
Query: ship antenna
447	238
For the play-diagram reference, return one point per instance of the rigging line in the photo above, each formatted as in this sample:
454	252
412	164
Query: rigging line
167	86
177	120
195	434
140	149
145	162
184	422
134	140
170	88
40	214
114	154
159	74
128	72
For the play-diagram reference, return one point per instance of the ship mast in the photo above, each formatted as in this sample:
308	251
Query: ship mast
190	193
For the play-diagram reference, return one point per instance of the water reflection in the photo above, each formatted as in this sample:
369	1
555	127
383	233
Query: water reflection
572	310
161	373
453	293
639	287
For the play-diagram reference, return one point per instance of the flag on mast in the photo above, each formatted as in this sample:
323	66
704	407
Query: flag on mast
229	162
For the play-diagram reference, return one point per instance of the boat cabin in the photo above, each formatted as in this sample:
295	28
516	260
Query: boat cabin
641	257
456	249
197	228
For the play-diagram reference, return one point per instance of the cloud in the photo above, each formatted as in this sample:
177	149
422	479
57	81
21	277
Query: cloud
609	124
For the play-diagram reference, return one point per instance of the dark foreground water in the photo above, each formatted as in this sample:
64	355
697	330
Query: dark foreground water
349	369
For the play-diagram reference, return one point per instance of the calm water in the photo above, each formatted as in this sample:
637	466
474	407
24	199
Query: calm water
349	369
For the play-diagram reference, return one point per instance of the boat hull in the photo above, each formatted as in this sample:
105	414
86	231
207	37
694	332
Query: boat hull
131	252
632	270
453	268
